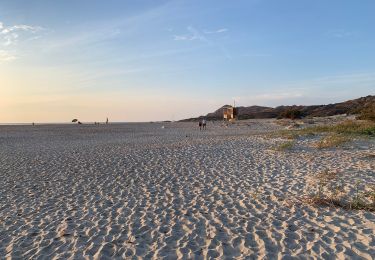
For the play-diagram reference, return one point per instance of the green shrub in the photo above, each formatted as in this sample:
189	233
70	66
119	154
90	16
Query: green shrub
291	114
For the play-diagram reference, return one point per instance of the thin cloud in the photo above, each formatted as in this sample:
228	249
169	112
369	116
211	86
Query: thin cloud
181	38
337	88
91	77
194	34
109	29
29	28
345	80
267	97
9	35
341	34
6	56
222	30
19	27
258	55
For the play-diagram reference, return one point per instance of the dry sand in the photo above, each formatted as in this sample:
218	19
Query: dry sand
143	191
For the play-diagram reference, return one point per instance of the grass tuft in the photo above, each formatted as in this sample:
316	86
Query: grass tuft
349	127
285	146
332	140
337	134
329	191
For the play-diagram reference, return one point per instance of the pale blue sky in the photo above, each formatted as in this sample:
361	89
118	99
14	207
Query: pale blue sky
155	60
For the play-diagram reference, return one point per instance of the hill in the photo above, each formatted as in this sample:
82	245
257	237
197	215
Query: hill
354	106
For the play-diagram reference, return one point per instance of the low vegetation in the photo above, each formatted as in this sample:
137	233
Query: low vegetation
285	146
368	113
326	136
337	133
328	190
332	140
349	127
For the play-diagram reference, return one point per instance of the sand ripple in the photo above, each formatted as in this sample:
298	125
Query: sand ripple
138	190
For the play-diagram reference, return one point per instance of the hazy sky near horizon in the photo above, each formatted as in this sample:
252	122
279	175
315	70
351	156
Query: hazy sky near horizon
167	60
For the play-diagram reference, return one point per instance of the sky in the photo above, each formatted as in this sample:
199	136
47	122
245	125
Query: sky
168	60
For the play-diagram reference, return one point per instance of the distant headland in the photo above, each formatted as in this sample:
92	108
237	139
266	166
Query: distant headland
351	107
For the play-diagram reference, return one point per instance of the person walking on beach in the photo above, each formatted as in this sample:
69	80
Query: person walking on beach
204	124
200	125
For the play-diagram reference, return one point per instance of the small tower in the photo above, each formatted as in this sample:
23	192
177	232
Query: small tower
229	113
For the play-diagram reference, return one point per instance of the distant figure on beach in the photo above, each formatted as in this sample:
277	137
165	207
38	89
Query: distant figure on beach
200	125
204	123
106	122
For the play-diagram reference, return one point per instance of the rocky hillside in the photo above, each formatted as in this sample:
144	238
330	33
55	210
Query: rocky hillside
354	106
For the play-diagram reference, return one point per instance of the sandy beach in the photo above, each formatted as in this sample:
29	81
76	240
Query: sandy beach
168	190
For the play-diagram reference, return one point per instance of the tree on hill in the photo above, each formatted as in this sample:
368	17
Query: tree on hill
291	114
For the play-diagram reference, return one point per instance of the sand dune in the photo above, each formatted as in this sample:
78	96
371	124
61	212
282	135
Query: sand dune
140	190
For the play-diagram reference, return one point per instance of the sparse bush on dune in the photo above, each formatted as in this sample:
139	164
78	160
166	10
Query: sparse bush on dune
354	127
328	190
349	127
291	135
338	133
330	136
285	146
332	140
